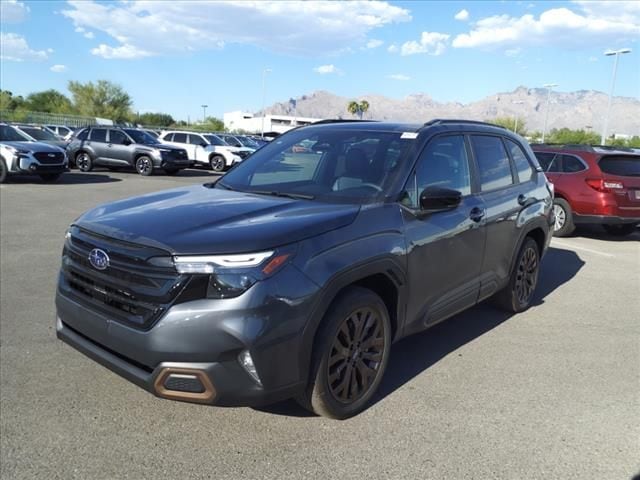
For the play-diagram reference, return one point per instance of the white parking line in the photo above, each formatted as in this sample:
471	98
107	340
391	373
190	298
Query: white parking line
564	243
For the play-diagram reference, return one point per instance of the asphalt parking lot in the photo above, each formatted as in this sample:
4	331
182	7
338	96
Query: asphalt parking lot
552	393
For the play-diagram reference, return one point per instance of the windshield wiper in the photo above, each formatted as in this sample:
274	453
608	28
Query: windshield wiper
297	196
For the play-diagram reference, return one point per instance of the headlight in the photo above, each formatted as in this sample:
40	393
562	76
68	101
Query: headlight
232	275
17	151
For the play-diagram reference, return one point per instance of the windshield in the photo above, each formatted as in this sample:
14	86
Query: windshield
247	142
215	140
10	134
342	166
39	134
140	136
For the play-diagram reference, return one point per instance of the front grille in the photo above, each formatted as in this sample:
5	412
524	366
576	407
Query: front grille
129	290
176	155
49	158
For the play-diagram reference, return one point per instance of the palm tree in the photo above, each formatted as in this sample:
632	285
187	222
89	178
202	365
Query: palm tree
358	108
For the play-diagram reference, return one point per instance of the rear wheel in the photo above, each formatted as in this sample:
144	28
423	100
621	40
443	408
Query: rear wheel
350	355
217	163
518	294
620	230
563	225
84	162
144	165
3	171
50	177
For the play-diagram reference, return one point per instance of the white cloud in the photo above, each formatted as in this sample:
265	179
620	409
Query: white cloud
374	43
123	52
431	43
300	28
595	25
58	68
392	49
462	15
512	52
89	35
399	76
13	11
84	32
16	49
327	69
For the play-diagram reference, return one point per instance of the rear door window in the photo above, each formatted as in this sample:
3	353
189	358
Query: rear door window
523	167
493	162
571	164
180	137
622	165
99	135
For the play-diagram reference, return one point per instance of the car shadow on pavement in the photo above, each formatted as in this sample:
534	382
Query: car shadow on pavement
596	232
413	355
69	178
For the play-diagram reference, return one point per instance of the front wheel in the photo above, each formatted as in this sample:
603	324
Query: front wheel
350	355
84	162
3	170
217	163
518	294
620	230
144	166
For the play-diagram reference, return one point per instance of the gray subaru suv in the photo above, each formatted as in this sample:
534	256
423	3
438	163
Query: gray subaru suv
293	274
117	148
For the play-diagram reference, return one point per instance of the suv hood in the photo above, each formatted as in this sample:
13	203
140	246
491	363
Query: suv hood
34	146
203	220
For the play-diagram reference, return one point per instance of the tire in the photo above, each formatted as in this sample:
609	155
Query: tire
50	177
4	171
217	163
518	294
84	162
620	230
171	171
144	166
563	225
355	338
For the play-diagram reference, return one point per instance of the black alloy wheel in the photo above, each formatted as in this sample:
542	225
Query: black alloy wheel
356	355
84	162
144	165
517	296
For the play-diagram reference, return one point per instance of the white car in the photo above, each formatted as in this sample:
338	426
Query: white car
206	149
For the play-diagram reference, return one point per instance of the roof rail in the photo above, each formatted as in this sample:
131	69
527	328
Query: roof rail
337	120
583	147
441	121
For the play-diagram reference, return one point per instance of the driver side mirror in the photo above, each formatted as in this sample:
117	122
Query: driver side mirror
437	199
204	145
126	141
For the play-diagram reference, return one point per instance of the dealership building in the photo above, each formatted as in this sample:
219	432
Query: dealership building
247	122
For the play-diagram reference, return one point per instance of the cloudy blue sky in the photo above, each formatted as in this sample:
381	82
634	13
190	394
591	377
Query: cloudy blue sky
174	56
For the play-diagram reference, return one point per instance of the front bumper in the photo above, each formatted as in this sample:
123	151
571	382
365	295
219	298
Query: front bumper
203	339
27	164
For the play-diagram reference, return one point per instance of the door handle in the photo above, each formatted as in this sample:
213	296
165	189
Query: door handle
476	214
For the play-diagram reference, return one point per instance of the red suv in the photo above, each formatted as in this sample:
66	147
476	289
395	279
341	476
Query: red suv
596	185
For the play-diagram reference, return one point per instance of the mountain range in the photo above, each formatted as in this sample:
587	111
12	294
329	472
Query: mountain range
583	109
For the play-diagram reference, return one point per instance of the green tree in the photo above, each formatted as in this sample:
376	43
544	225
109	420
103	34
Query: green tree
50	101
9	102
566	135
510	124
155	119
358	108
102	99
211	124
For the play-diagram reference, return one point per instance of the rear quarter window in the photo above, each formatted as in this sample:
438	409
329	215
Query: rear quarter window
622	165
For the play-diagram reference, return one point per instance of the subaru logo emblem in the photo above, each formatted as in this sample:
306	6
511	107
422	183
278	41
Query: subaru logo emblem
98	259
52	155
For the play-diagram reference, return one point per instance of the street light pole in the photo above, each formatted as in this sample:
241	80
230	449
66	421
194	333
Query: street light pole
617	54
264	96
515	127
204	113
548	86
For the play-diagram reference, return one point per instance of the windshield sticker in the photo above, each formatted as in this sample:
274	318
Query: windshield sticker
411	135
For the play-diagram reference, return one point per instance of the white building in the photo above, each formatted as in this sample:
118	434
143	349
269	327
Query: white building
246	122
